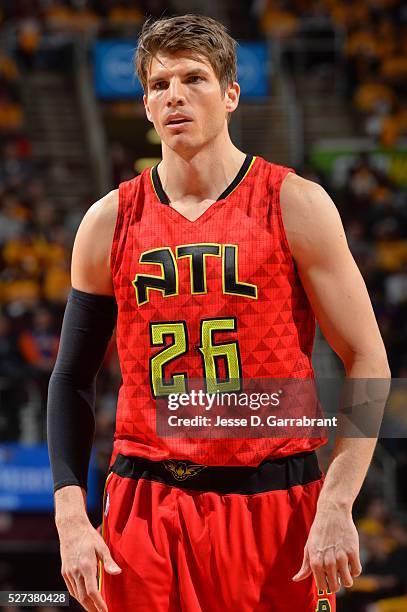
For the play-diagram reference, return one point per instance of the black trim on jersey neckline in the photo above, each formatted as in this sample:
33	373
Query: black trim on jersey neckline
164	199
270	475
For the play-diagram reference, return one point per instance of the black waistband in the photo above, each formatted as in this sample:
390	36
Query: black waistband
270	475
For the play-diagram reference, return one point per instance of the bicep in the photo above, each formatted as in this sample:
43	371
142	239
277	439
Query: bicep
328	272
90	268
339	298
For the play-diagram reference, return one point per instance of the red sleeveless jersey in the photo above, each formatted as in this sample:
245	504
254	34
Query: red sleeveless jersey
183	288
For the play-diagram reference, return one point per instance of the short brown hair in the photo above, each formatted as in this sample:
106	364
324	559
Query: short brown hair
195	34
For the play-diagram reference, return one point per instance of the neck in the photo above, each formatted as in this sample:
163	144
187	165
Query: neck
202	175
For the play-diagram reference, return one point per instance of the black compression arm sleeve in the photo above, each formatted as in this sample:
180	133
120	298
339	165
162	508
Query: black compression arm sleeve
87	327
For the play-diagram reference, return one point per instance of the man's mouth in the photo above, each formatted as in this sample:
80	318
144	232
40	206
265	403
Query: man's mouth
178	121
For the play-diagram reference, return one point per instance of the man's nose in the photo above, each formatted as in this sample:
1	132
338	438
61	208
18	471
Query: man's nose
176	94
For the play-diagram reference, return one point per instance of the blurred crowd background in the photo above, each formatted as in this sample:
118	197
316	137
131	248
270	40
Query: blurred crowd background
334	108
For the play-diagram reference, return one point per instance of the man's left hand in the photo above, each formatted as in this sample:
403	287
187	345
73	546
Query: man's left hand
331	553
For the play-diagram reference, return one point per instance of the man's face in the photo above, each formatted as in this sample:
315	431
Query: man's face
185	103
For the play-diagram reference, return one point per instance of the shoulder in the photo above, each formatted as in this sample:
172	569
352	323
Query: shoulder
104	211
93	242
302	194
100	219
310	217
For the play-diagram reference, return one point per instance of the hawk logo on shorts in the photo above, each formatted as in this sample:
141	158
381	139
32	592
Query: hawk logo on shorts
182	471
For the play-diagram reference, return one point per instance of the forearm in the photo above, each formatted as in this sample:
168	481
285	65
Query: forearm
349	463
70	506
366	388
71	428
87	328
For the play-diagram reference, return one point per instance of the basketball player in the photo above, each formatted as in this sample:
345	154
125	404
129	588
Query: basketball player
214	260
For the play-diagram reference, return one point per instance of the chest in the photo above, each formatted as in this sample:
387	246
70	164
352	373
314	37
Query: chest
191	210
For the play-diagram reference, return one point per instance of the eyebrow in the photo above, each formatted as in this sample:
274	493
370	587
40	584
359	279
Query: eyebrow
190	72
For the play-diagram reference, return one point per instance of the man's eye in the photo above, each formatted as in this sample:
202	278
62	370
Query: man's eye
159	85
195	78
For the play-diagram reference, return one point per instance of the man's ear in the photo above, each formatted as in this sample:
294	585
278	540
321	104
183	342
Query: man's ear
232	95
147	109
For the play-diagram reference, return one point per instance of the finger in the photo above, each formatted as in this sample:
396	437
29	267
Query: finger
355	565
305	569
80	589
84	598
93	592
318	572
74	586
108	564
331	570
89	605
343	569
69	586
86	581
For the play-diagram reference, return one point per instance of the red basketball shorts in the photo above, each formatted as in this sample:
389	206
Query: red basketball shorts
210	539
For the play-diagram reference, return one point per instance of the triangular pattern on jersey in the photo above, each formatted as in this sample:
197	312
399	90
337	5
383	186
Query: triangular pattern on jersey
274	330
